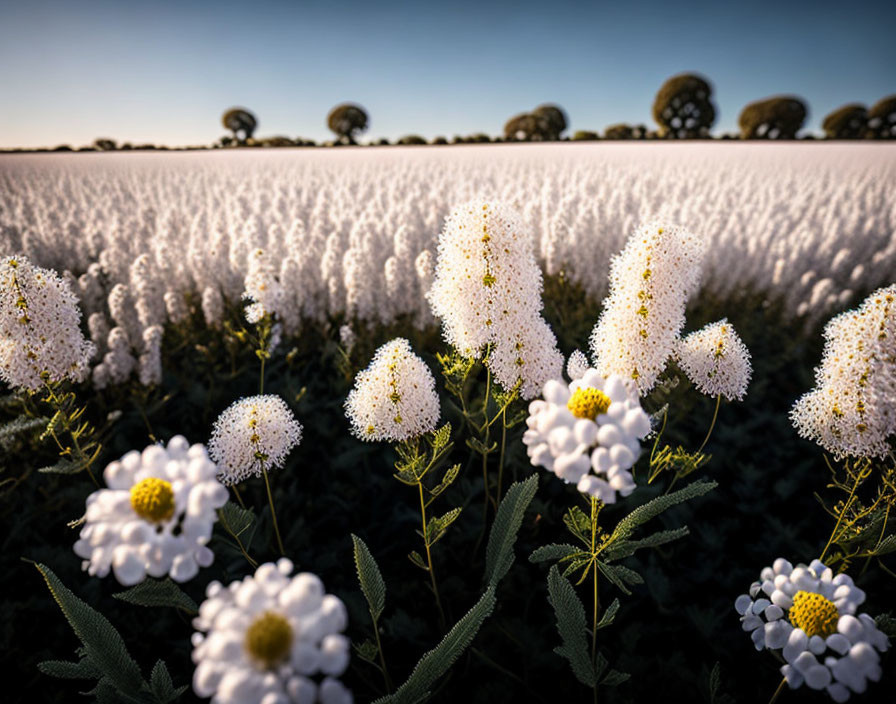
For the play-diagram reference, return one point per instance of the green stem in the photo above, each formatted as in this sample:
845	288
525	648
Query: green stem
846	506
261	379
711	425
379	647
778	691
239	497
501	456
267	485
432	574
596	597
57	404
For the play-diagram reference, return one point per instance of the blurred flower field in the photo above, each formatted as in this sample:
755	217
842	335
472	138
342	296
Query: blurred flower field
506	423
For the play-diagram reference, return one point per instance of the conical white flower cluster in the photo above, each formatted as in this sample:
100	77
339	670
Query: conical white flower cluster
39	327
650	283
716	360
852	409
487	292
262	287
809	614
395	397
268	638
253	433
588	433
156	516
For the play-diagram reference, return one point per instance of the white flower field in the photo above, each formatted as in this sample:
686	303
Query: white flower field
415	375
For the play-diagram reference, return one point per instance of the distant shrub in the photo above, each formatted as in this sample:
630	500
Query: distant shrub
585	136
104	144
882	119
553	118
346	121
241	122
846	122
439	140
277	141
624	131
412	139
543	124
779	117
683	107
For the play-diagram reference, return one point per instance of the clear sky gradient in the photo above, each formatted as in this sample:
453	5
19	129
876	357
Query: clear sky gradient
163	72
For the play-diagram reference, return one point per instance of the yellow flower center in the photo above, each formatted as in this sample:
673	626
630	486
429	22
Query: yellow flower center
153	499
269	639
815	614
588	403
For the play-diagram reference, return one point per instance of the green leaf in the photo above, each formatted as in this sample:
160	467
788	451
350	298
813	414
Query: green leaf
162	687
414	557
367	651
555	551
571	625
502	538
607	618
82	670
436	662
437	526
578	524
578	564
103	644
624	548
52	425
887	545
886	623
64	466
234	519
441	437
656	506
158	592
370	578
19	426
620	576
614	678
449	477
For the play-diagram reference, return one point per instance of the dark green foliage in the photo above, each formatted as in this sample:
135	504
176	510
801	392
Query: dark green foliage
847	122
158	592
411	139
779	117
545	123
683	107
882	119
623	131
585	136
241	122
346	121
104	144
554	120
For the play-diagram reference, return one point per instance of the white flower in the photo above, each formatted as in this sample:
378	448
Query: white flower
527	354
156	516
650	283
262	287
268	637
852	410
809	614
716	360
577	364
39	327
254	432
395	397
592	423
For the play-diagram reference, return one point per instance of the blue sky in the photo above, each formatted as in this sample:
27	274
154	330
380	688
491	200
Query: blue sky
165	71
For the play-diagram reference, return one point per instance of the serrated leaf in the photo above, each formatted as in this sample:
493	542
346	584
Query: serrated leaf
887	624
554	551
436	527
448	478
64	466
578	524
161	685
82	670
234	519
887	545
103	644
509	518
436	662
158	592
607	618
625	548
656	506
570	615
19	426
414	557
620	576
578	564
614	678
367	650
370	578
441	437
52	425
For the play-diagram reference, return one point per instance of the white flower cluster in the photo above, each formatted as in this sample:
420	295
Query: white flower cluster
588	433
806	225
250	434
487	292
39	327
262	288
272	639
852	409
716	360
156	516
395	397
650	283
809	614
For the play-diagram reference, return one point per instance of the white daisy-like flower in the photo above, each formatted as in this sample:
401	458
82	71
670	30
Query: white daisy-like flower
40	330
253	433
716	360
271	638
156	516
395	397
593	423
810	615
